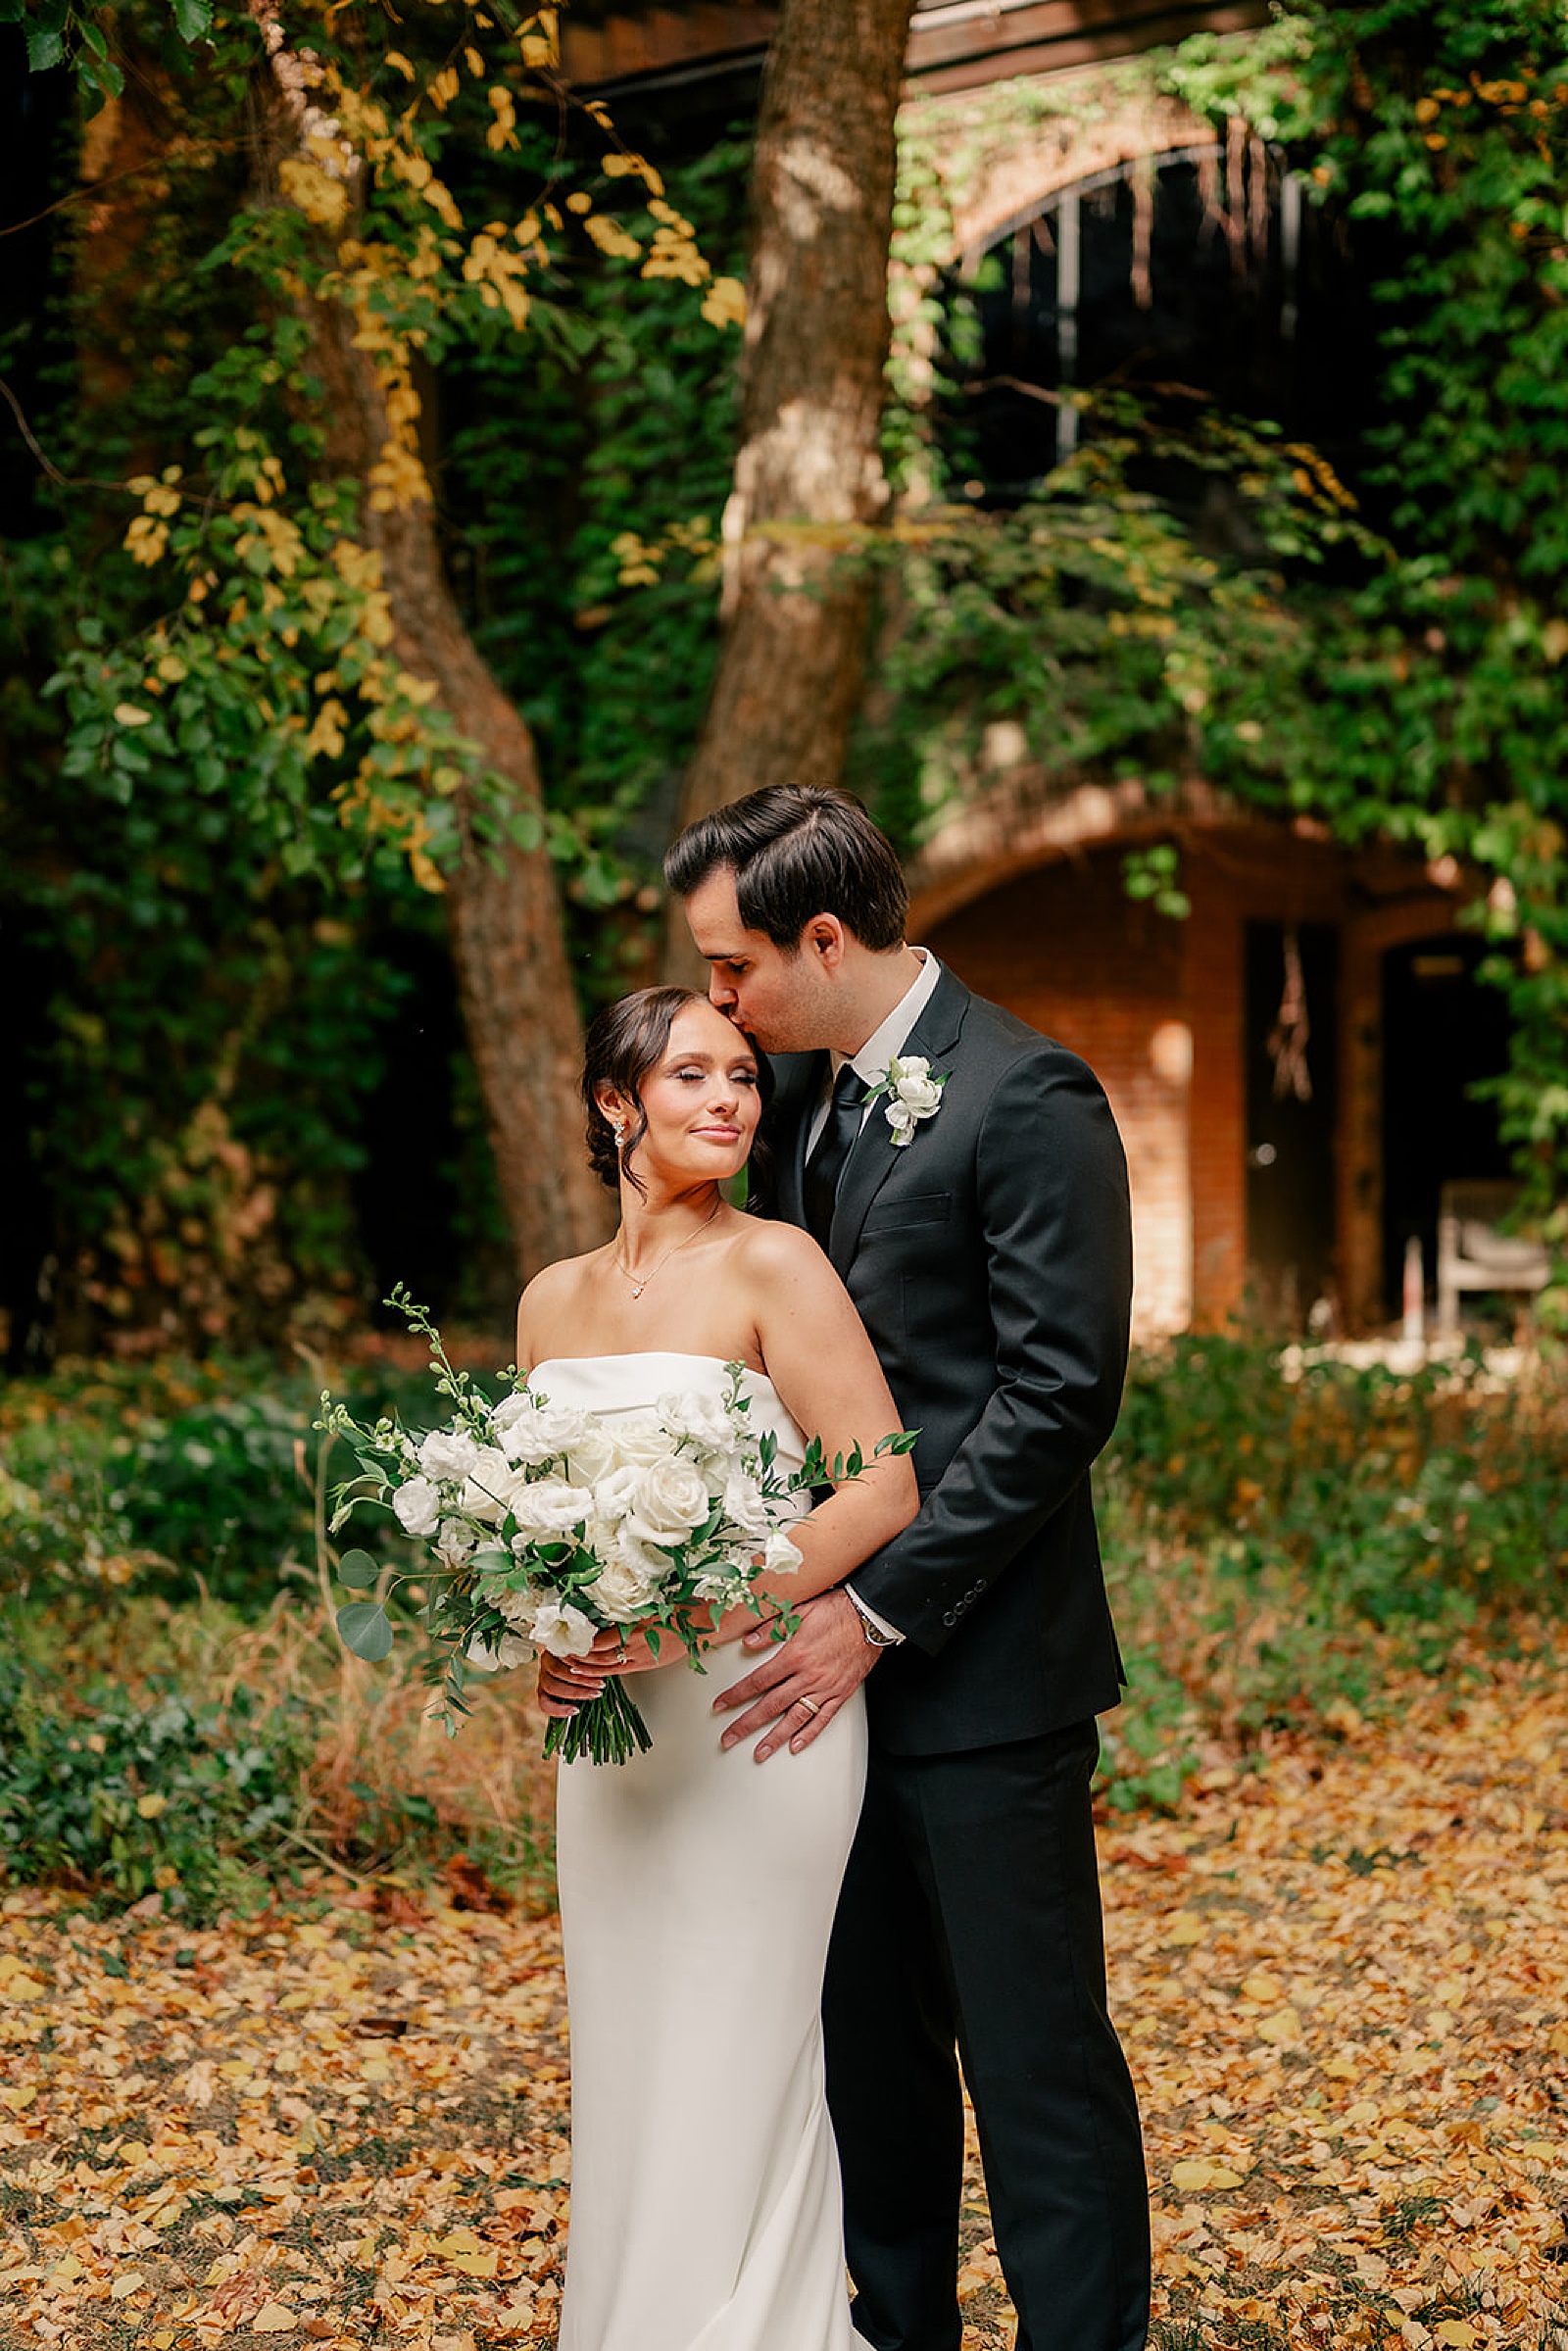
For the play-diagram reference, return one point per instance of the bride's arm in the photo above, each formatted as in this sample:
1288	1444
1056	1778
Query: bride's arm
815	1349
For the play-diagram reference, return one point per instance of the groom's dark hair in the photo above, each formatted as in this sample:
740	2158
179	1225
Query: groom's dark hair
796	850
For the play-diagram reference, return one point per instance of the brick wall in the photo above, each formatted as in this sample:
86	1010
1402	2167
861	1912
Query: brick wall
1064	949
1156	1008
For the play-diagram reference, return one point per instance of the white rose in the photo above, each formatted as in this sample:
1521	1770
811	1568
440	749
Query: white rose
640	1442
448	1454
487	1487
590	1456
700	1418
901	1118
625	1584
562	1630
454	1542
780	1558
668	1500
510	1650
921	1095
613	1496
746	1504
549	1508
517	1607
538	1434
419	1506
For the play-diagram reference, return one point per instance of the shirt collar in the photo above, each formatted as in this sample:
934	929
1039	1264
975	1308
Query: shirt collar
879	1049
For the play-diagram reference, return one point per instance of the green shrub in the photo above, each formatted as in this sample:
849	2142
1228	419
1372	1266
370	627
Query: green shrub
124	1798
1283	1539
177	1479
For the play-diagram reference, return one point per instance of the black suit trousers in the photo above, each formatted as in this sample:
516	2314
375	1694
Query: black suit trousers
969	1927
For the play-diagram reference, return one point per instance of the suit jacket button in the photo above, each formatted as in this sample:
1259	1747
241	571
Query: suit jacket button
951	1617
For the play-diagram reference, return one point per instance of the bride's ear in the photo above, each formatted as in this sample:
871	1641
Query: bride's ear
614	1110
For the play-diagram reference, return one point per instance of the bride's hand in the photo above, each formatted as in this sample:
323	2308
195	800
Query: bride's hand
567	1682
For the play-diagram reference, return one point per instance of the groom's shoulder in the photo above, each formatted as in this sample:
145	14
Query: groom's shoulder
1005	1046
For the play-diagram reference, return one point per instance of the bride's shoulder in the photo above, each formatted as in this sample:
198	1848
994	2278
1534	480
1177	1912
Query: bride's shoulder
552	1291
769	1250
561	1278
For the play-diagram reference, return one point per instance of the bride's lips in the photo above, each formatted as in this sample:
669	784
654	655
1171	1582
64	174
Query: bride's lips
719	1134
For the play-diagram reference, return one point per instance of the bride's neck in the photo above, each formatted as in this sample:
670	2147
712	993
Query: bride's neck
665	1218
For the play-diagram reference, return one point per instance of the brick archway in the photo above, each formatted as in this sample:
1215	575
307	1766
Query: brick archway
1158	1008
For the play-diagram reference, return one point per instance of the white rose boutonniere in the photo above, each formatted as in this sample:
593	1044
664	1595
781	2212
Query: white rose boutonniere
912	1095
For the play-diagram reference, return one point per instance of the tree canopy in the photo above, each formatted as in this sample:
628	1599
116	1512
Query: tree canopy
362	571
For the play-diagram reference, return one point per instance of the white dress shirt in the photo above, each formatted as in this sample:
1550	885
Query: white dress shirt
879	1049
870	1063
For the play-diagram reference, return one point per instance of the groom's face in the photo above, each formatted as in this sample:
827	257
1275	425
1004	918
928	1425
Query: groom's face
785	1002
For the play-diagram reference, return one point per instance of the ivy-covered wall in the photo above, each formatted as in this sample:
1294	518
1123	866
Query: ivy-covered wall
217	1044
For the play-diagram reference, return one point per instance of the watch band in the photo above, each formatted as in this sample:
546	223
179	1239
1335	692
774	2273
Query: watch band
872	1631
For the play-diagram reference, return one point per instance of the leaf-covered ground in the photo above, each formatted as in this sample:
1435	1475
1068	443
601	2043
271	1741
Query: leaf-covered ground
1343	1978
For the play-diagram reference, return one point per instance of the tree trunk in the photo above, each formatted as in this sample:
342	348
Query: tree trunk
794	606
502	908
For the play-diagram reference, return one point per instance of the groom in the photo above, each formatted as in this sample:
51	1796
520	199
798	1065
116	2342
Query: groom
982	1229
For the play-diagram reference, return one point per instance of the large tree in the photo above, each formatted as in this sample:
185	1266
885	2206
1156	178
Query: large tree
314	665
809	465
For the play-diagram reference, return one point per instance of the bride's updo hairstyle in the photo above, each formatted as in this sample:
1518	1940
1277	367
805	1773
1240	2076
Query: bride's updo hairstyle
623	1044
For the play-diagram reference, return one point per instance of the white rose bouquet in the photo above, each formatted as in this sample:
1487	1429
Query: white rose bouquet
547	1525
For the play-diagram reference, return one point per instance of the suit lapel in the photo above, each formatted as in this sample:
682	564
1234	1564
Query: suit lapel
808	1079
872	1159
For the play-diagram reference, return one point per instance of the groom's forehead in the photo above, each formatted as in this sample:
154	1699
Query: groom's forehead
713	913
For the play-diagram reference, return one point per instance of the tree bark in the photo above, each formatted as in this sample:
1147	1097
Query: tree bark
795	605
502	908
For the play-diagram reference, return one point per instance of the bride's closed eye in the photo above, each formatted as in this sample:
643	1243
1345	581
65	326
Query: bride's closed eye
742	1075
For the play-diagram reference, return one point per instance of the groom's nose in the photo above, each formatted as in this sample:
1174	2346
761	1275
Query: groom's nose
720	991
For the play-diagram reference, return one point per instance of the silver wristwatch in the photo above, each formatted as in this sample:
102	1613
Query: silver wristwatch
872	1631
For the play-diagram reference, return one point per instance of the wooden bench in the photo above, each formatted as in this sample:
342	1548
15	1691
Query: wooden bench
1474	1254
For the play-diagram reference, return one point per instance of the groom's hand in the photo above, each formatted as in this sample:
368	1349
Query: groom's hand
825	1662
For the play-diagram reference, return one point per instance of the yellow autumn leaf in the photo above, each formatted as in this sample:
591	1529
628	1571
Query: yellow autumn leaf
1262	1987
274	2318
126	713
1200	2173
1457	2332
1186	1928
148	1808
725	303
131	2283
313	191
1281	2028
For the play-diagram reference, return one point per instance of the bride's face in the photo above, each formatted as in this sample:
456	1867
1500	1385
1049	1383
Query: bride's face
699	1098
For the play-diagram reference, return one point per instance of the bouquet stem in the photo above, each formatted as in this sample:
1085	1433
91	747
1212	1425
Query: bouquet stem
609	1728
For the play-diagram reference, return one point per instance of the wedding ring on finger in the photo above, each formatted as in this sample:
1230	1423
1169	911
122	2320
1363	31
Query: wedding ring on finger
811	1706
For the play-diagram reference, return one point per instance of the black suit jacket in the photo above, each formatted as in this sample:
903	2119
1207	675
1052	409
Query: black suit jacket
991	1261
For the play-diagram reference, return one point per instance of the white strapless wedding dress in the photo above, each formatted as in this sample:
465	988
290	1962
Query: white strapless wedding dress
696	1894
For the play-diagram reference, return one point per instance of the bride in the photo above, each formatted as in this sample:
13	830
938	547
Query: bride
697	1892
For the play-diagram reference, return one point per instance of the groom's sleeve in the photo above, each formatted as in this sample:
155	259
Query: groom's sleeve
1056	1233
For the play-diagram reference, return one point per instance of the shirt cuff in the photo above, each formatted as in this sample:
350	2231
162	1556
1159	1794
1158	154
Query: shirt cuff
865	1609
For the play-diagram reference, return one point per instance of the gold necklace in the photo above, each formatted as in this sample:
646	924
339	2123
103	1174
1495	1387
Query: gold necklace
638	1287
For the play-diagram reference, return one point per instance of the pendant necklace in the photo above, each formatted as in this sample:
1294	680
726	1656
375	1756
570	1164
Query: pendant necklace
638	1287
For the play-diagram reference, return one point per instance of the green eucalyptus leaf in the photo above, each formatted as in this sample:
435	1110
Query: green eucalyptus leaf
358	1570
366	1630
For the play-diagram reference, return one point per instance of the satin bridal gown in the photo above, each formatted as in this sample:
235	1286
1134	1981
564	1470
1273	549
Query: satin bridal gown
697	1892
